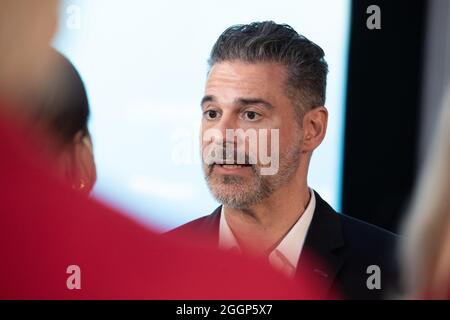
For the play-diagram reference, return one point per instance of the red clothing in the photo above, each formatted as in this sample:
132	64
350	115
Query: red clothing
45	227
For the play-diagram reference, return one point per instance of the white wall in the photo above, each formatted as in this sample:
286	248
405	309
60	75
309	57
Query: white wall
144	65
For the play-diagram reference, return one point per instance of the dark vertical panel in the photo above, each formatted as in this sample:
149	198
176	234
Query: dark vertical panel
382	112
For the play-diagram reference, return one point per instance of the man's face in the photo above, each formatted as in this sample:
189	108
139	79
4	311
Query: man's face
251	97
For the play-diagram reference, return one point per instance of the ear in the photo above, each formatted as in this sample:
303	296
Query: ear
315	123
83	165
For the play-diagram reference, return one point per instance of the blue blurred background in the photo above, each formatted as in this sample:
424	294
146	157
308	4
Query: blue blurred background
144	66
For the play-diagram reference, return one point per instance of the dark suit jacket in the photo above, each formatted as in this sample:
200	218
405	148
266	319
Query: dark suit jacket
345	247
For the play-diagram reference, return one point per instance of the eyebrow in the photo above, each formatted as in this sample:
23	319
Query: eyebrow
240	101
251	101
207	99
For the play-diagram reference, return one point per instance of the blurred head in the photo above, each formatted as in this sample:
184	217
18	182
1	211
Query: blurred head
41	85
26	29
426	246
62	111
269	81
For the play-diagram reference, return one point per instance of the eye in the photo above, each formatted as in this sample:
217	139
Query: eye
251	116
211	114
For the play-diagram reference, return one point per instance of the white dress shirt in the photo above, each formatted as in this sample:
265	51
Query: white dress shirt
286	255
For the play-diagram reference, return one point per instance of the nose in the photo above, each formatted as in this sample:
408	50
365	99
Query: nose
226	126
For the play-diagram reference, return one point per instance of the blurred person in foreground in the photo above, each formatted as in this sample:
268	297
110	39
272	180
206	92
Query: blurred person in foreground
265	78
56	243
426	245
61	111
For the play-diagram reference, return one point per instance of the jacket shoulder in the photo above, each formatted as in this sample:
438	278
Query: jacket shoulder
193	226
357	231
207	226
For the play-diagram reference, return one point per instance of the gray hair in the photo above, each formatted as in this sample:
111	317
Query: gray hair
271	42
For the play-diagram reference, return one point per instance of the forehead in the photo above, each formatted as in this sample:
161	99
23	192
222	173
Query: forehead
233	78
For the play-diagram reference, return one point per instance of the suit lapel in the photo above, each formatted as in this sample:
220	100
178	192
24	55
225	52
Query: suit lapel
210	225
320	260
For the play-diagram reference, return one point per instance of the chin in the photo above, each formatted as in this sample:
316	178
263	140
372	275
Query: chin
232	196
227	190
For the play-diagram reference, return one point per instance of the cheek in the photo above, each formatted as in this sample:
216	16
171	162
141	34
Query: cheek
206	152
205	137
289	138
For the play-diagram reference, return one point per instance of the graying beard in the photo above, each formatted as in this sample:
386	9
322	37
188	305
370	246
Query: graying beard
264	188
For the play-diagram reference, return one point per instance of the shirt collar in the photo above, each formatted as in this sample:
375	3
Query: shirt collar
227	240
290	247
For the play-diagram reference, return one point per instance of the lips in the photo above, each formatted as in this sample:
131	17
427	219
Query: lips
231	169
233	166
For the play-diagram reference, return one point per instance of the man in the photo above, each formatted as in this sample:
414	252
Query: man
265	77
57	244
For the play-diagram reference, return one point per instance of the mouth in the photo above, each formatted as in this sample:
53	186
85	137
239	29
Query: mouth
231	169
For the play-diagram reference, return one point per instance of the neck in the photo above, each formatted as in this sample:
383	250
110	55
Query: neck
261	227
